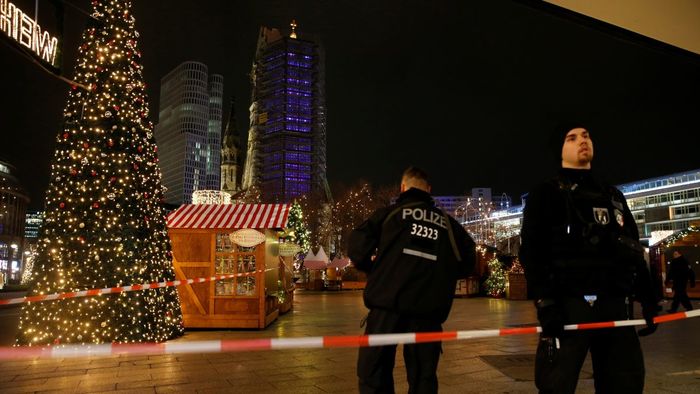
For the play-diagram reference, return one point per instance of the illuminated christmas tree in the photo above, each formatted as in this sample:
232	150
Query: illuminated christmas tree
495	284
356	205
296	227
104	226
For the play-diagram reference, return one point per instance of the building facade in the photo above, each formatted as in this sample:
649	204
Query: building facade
286	156
450	204
480	202
188	132
669	203
13	208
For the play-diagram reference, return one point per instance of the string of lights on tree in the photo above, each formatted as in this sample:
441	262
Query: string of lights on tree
104	225
252	195
30	256
297	231
331	224
351	210
495	284
317	219
516	268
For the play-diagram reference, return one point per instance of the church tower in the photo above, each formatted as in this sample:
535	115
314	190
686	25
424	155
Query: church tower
231	156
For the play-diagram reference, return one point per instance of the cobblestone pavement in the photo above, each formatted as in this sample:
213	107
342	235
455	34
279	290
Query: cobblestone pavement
495	365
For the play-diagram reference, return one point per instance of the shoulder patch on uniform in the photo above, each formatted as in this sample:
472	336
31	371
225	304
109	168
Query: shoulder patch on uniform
619	218
601	215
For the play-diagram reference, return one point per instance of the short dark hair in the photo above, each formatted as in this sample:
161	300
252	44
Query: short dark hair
416	173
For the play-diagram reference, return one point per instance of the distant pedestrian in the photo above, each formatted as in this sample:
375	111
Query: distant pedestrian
680	273
413	254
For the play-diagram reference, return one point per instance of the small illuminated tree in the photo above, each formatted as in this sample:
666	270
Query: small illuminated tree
104	225
353	208
297	231
495	284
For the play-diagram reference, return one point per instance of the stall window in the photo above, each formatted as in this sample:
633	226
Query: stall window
236	260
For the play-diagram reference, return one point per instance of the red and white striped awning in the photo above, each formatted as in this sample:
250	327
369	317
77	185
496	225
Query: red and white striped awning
229	216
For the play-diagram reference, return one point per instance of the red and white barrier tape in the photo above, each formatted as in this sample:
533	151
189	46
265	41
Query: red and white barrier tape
226	346
121	289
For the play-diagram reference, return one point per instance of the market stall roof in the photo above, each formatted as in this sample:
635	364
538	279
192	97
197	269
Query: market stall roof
317	261
339	263
229	216
315	265
689	236
321	255
310	255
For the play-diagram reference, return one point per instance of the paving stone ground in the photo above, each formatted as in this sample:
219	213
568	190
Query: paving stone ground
495	365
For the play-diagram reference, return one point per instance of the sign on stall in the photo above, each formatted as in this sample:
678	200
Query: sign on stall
289	249
247	237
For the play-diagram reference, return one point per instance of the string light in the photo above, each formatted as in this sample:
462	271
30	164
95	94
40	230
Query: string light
332	223
680	235
104	225
350	211
517	267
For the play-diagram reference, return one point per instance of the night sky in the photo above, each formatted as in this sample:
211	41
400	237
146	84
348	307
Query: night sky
467	90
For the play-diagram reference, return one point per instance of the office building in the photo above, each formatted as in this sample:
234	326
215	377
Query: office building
667	203
13	208
478	203
188	132
450	204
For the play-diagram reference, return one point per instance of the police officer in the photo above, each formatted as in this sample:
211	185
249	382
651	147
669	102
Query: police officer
413	254
583	263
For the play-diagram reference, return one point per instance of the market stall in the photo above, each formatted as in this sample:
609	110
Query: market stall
334	279
239	239
660	254
315	265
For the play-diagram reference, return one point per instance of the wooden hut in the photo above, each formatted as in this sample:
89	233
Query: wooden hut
687	242
315	265
239	239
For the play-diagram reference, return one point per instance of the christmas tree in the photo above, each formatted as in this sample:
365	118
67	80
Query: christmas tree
296	228
495	284
104	225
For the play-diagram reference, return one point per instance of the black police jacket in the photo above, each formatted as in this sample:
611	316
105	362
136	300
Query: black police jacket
412	264
579	238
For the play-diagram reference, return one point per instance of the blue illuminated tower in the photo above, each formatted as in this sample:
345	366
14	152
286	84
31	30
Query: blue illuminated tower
286	156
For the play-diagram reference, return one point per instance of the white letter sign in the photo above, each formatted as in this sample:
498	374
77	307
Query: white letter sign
27	32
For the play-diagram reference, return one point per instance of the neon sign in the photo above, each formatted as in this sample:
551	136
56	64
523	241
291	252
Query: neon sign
27	32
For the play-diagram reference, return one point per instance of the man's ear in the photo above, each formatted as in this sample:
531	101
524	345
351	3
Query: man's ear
430	189
403	187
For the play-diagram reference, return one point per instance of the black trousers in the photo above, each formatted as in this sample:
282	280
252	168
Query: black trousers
618	363
680	296
375	365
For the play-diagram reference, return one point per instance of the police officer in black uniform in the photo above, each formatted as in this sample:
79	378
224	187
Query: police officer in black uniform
413	254
583	263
